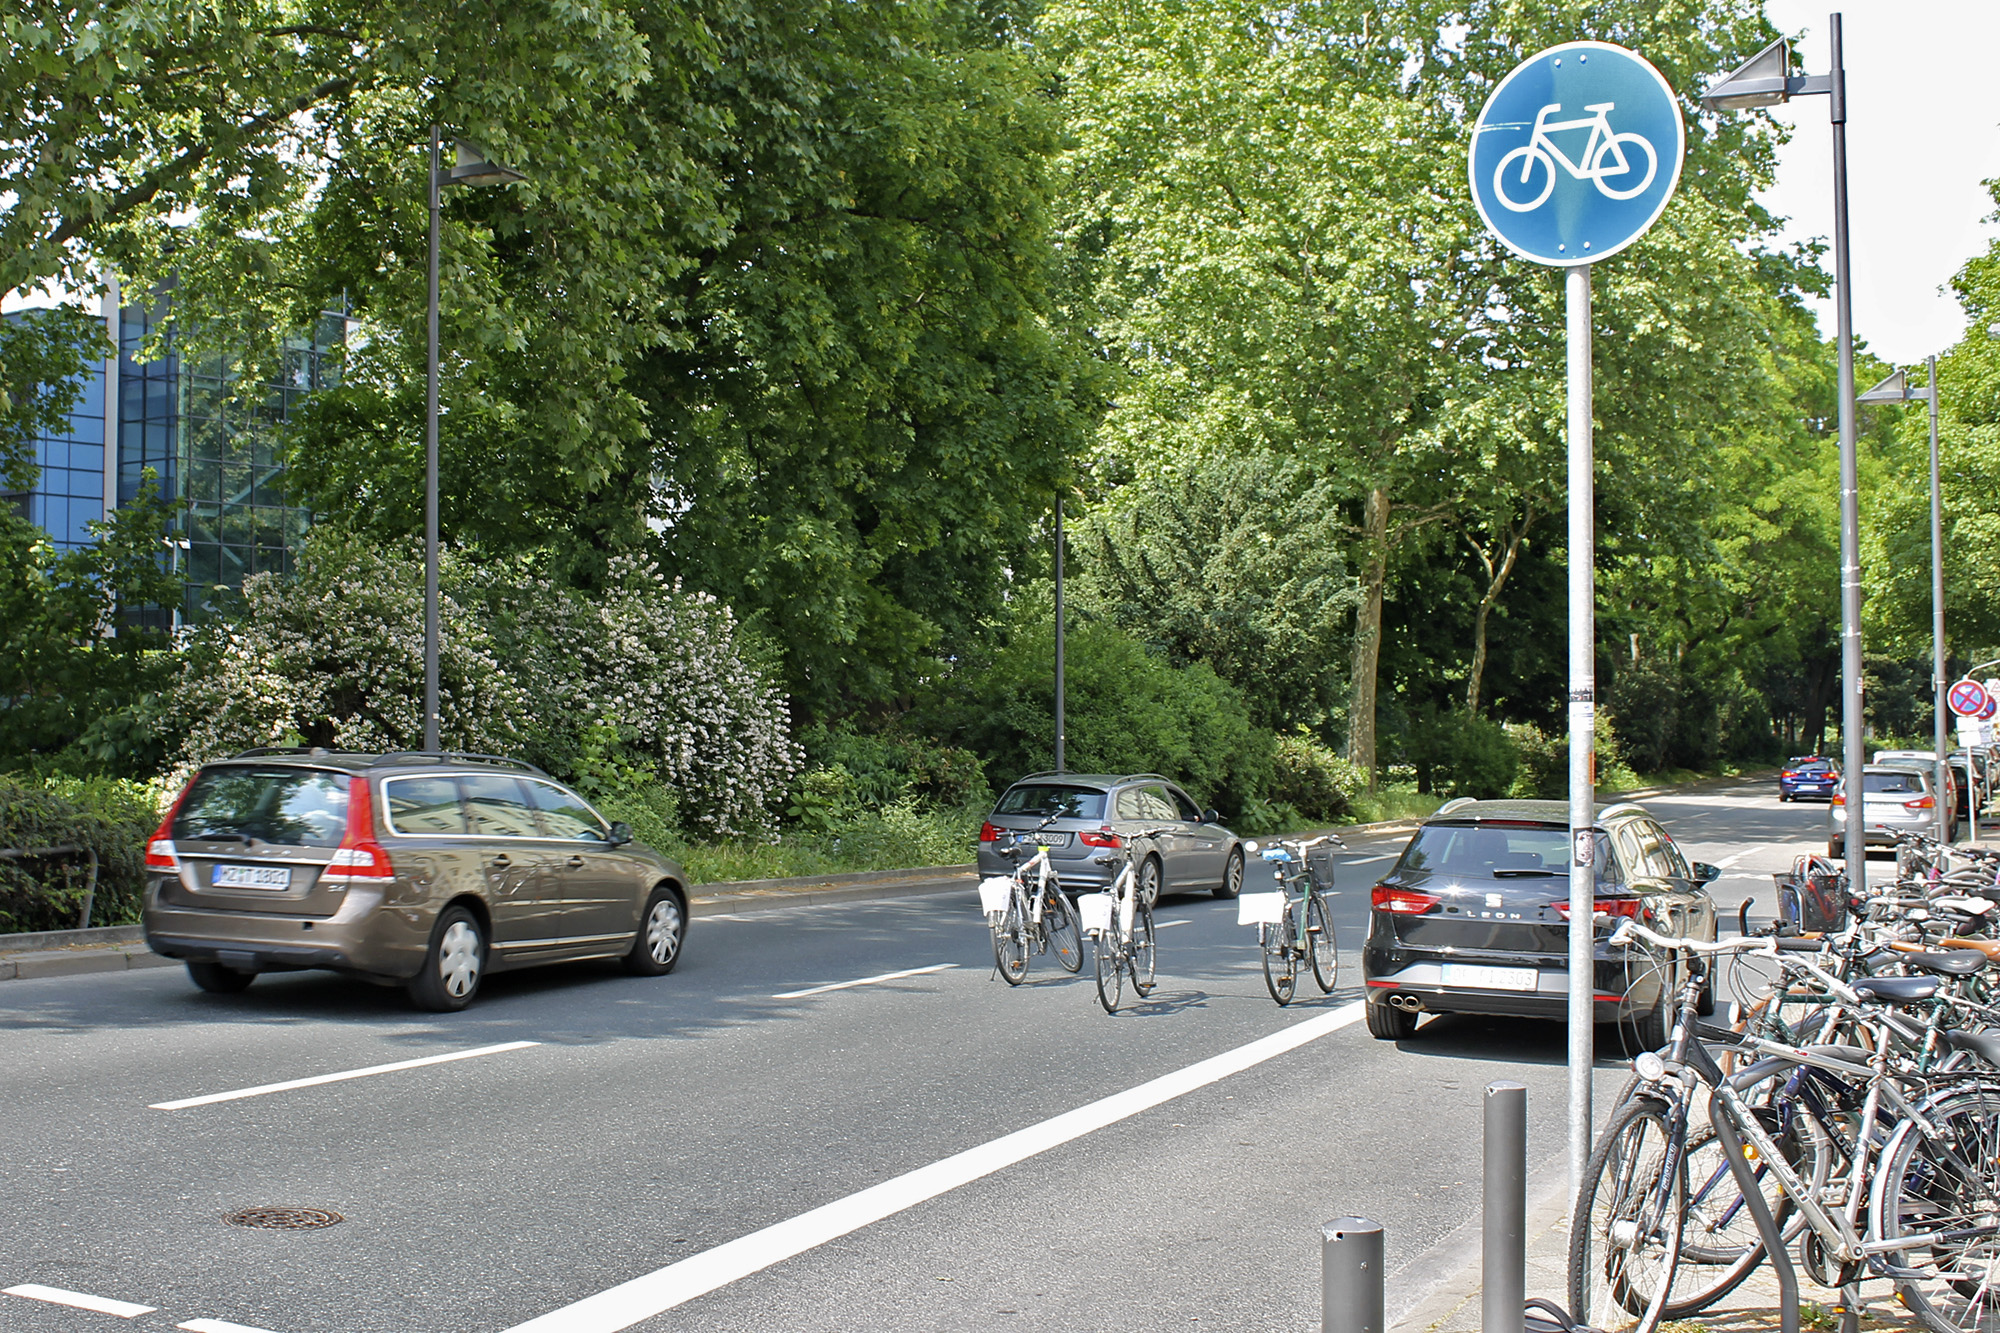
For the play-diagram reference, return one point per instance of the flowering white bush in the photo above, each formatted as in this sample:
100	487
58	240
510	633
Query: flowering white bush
333	656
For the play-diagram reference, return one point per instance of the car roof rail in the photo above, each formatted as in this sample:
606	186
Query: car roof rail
259	751
455	757
1452	805
1620	808
1139	777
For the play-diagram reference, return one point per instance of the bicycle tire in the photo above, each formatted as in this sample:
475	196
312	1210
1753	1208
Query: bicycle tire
1720	1243
1064	930
1143	958
1281	964
1322	945
1924	1185
1110	969
1010	939
1625	1232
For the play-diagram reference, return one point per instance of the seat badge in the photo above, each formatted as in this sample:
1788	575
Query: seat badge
1492	900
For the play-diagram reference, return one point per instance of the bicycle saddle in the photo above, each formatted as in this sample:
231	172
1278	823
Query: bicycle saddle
1991	948
1985	1045
1896	990
1957	963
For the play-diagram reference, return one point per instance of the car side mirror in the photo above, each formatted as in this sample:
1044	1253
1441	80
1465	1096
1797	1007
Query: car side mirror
1704	873
1211	816
620	834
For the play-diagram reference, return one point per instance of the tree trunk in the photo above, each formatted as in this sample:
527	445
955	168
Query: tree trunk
1368	634
1496	579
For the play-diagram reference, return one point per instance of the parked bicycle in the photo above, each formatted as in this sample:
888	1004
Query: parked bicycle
1029	913
1294	923
1119	922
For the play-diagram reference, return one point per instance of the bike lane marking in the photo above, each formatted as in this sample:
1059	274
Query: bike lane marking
864	981
317	1079
218	1326
78	1300
641	1298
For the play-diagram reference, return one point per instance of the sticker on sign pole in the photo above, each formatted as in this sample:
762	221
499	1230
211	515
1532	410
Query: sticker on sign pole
1576	153
1584	845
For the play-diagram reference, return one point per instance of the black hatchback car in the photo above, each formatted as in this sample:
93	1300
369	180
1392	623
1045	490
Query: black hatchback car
1082	816
1474	918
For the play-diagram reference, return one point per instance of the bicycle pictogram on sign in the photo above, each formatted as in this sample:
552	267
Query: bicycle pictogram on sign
1606	157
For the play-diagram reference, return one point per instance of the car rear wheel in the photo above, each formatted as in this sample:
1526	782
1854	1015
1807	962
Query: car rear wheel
1232	876
1389	1024
219	980
662	927
453	965
1151	877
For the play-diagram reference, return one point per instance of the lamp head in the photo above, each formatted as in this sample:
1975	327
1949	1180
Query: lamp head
1758	81
475	168
1894	389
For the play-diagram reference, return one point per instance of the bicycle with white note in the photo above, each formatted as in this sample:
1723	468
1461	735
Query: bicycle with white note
1120	924
1028	912
1604	159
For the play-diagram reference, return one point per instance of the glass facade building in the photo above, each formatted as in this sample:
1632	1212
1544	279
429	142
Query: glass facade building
212	445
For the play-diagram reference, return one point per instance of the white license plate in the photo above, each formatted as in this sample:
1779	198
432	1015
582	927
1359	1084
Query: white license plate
1491	978
1044	839
250	877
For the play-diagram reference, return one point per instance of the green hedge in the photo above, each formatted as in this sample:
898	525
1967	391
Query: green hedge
109	814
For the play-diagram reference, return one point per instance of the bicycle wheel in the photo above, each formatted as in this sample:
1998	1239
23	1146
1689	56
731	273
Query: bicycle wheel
1720	1244
1065	931
1943	1196
1142	959
1010	939
1281	963
1110	968
1625	1234
1322	946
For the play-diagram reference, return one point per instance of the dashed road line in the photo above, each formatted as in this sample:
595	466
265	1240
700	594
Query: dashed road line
218	1326
631	1302
78	1300
265	1088
863	981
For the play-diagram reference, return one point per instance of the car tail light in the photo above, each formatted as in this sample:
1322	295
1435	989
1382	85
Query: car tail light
1401	902
1839	799
160	853
987	833
1921	803
1631	907
359	859
1099	838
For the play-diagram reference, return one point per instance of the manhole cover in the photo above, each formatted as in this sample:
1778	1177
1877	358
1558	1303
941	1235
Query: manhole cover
283	1219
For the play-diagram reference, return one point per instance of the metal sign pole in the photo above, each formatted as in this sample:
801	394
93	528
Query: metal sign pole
1937	632
1582	721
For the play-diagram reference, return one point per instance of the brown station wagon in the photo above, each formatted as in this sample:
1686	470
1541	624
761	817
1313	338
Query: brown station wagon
422	869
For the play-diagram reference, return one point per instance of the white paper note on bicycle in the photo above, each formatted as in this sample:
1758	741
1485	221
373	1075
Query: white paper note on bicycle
1096	911
994	893
1256	909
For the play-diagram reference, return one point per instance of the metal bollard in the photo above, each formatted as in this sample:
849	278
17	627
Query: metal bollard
1350	1268
1504	1242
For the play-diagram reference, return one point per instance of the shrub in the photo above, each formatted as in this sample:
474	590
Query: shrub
111	815
1126	711
333	656
1544	762
1318	785
1464	756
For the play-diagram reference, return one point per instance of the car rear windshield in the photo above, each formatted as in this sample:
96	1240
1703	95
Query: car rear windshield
1891	784
295	807
1815	766
1050	798
1489	851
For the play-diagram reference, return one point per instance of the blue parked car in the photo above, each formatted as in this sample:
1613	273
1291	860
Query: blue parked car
1808	775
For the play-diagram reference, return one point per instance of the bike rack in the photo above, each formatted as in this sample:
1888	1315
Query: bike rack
66	849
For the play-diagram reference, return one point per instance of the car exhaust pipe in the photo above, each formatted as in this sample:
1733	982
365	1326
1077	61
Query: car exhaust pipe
1409	1004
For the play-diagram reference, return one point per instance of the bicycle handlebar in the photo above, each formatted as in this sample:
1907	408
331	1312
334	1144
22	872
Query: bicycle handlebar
1765	946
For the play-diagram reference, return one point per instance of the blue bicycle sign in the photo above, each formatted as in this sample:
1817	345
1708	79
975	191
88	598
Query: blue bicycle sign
1576	153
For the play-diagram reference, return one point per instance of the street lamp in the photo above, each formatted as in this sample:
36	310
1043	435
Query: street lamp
471	168
1896	389
1766	80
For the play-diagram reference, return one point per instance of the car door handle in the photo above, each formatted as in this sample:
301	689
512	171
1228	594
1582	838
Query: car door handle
576	863
500	862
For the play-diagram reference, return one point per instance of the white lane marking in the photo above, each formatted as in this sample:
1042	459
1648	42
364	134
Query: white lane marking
1364	860
102	1304
643	1297
1729	861
864	981
344	1075
218	1326
1169	925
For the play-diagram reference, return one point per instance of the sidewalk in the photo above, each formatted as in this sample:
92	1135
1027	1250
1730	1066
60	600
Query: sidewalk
1453	1306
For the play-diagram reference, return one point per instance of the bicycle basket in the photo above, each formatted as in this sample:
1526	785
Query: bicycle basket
1811	898
1319	867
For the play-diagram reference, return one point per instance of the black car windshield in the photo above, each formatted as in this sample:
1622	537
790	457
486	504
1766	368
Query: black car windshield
1891	784
1816	766
297	807
1498	851
1051	798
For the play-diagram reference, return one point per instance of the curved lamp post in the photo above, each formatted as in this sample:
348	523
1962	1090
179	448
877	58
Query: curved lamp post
471	168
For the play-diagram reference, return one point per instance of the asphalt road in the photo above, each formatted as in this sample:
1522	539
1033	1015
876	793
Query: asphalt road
932	1151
